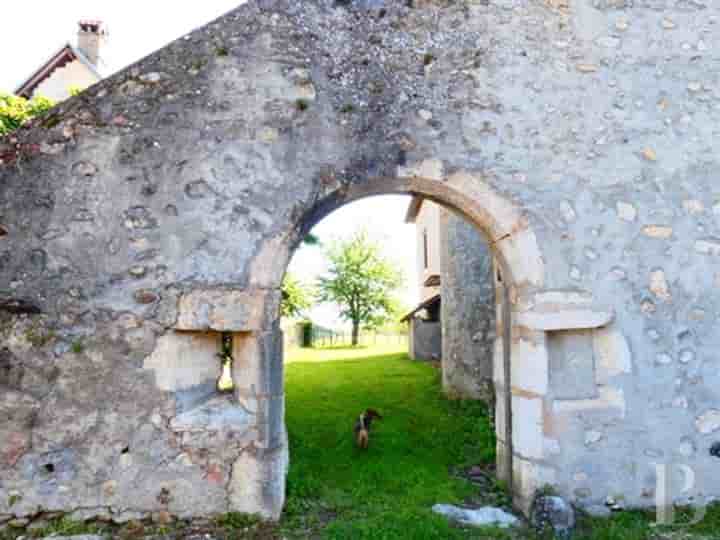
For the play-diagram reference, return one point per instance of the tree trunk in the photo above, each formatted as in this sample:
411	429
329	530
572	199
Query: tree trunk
355	333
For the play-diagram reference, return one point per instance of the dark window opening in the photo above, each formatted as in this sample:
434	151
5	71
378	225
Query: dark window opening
433	312
425	249
49	467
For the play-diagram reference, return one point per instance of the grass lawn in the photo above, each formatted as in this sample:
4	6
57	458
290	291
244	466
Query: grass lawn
337	491
387	491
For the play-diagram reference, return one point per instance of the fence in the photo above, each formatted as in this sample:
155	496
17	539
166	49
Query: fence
304	334
322	337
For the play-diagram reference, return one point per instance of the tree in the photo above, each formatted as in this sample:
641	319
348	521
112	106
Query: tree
360	280
296	297
16	110
311	240
390	323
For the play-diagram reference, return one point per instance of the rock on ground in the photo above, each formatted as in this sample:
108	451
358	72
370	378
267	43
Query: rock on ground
477	517
550	512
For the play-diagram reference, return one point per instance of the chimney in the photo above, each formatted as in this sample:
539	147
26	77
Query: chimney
92	36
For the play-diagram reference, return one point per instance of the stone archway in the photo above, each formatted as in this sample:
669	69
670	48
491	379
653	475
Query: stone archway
527	309
160	207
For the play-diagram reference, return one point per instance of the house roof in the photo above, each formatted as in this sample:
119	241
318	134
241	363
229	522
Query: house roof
67	53
422	305
433	280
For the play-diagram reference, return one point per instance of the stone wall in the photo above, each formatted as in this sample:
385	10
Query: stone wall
162	205
468	310
425	340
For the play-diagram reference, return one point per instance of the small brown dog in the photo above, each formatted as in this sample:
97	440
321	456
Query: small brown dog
362	427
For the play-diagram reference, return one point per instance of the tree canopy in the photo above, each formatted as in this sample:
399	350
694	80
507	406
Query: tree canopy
16	110
361	281
297	297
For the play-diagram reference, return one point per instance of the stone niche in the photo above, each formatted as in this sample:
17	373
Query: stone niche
187	364
244	428
572	364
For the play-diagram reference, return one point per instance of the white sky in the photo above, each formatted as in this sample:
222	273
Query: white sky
32	32
139	27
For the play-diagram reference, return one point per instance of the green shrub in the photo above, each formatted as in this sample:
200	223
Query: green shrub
16	110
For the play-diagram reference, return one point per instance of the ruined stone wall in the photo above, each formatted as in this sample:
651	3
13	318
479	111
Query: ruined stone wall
468	310
160	208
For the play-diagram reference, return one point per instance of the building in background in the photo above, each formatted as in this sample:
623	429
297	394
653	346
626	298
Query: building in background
425	328
71	67
455	321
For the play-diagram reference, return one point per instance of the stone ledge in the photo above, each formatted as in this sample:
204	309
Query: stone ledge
217	414
227	310
610	404
562	310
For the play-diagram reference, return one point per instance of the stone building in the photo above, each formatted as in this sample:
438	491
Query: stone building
159	209
71	67
455	320
424	321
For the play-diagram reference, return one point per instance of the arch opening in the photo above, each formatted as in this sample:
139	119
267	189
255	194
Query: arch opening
433	258
517	259
252	315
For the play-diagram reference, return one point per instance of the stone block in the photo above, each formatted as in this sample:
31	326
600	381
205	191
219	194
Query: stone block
562	310
519	251
185	360
498	364
501	461
258	363
528	478
529	364
228	310
607	407
612	354
271	422
220	413
527	433
500	414
257	483
572	364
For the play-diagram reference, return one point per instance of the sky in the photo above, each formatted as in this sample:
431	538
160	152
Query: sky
139	27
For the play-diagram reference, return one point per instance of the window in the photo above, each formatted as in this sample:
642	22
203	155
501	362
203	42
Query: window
425	249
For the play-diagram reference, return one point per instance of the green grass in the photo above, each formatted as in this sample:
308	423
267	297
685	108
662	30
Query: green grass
387	491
